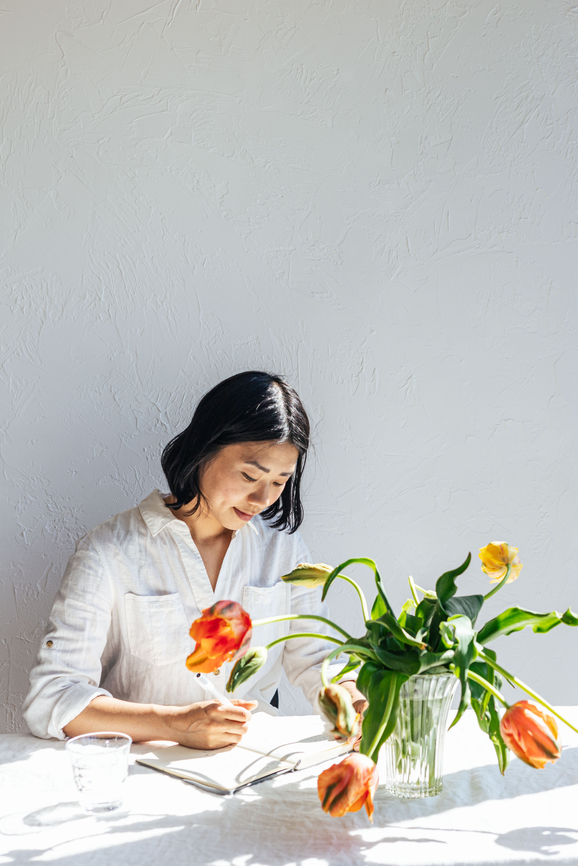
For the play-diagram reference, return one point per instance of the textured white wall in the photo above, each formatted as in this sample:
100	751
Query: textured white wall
375	198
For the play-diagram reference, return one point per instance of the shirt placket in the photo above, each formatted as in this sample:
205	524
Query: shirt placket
201	588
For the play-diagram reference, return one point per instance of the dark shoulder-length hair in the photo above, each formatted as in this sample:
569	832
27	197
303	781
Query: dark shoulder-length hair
248	407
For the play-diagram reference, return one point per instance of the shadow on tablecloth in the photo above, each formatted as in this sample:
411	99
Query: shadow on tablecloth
283	824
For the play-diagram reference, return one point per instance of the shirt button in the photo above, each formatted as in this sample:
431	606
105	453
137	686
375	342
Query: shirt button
49	643
217	672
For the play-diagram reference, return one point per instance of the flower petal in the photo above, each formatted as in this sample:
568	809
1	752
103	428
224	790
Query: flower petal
531	734
222	633
347	786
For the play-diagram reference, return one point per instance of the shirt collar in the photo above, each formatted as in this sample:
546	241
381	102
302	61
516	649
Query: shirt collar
156	515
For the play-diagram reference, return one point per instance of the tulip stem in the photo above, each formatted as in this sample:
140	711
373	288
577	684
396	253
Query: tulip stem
304	634
521	685
489	688
500	584
332	655
359	591
287	616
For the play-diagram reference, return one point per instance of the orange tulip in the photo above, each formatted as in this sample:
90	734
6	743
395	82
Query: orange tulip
222	633
531	734
348	786
496	556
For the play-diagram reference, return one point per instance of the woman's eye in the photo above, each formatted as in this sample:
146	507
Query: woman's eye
248	477
279	483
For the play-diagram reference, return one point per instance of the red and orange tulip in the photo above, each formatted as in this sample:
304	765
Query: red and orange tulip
222	633
530	734
348	786
496	556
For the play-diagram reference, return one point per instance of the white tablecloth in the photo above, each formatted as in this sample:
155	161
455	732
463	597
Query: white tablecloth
480	817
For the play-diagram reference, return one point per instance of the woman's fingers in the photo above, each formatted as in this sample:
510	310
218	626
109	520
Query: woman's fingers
249	705
240	712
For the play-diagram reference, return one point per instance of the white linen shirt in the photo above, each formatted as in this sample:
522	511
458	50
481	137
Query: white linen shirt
120	621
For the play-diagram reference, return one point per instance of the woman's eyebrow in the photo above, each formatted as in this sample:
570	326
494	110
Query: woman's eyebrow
262	468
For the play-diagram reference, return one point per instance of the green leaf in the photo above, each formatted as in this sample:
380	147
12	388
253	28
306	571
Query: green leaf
411	624
381	688
468	605
362	560
246	666
426	610
446	584
516	618
484	705
429	660
359	646
408	606
407	662
351	665
378	608
439	616
397	631
461	630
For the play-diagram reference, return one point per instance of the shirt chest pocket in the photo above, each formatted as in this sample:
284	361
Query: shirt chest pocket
263	602
157	628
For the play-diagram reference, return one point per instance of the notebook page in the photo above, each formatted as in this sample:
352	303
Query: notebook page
300	740
222	769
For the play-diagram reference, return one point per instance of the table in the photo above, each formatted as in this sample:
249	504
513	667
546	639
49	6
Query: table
528	816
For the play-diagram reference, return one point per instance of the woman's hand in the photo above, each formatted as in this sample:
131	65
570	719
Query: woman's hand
209	724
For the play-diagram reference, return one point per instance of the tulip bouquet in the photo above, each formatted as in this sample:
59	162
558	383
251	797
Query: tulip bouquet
434	634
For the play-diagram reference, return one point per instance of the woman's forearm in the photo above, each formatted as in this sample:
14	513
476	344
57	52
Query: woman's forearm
139	721
204	725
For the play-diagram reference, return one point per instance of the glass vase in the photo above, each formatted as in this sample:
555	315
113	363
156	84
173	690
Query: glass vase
413	754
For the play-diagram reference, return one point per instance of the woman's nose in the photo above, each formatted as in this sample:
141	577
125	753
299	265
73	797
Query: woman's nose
260	495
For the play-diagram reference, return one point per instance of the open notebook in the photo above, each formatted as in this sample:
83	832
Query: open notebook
272	745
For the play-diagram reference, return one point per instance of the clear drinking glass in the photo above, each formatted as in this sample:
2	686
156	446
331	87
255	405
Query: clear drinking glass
413	754
100	766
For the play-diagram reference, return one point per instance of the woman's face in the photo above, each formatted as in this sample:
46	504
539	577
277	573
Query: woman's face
246	478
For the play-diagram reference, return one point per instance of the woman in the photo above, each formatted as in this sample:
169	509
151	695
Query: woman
113	657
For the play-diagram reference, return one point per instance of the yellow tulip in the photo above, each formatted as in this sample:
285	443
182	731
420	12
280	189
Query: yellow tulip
496	557
306	574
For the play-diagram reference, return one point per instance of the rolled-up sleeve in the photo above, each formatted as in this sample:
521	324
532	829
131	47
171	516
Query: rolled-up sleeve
303	657
68	670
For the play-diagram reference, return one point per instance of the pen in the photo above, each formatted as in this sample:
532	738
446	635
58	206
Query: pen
209	687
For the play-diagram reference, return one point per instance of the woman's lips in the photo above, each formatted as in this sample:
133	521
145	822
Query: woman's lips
242	515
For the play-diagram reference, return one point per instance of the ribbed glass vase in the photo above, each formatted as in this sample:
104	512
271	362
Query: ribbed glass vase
413	754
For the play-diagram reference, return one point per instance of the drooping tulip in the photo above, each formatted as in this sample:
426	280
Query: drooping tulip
349	785
222	633
496	556
531	734
337	706
245	667
309	575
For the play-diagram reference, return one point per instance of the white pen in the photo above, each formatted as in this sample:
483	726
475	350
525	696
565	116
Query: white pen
209	687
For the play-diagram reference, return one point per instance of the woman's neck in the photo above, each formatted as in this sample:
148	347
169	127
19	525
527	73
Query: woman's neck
211	538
